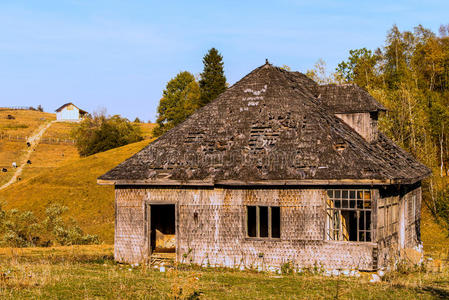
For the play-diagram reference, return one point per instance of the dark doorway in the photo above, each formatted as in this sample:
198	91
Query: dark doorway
163	228
349	225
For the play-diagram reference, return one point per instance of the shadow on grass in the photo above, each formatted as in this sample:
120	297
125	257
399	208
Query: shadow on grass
436	291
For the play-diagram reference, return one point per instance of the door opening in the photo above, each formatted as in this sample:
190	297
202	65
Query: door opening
163	228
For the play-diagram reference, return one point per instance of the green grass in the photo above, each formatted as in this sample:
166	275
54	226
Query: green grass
88	272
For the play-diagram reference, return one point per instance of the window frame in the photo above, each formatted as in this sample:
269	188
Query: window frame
270	221
348	200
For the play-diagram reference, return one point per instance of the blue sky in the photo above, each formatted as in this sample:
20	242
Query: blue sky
119	55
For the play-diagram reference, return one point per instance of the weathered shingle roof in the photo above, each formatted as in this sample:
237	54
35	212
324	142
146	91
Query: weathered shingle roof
347	98
268	128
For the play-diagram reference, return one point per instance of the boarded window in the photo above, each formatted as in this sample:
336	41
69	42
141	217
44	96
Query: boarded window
264	221
349	215
388	216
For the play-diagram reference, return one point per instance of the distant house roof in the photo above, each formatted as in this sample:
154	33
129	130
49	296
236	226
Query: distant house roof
269	128
70	103
347	98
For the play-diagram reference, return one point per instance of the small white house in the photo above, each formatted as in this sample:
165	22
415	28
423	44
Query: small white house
70	112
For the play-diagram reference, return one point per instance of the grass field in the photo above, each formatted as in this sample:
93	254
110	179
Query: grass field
24	124
49	156
74	185
88	272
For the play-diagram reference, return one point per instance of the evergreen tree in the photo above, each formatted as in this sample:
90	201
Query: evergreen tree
180	99
213	81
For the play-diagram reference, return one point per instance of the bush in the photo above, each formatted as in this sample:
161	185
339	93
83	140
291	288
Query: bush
23	229
100	133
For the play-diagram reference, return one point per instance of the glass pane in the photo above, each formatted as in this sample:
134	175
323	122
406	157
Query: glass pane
352	203
368	220
359	203
362	220
344	204
368	236
337	203
330	193
361	236
344	194
367	195
352	194
276	222
367	204
263	213
337	194
252	232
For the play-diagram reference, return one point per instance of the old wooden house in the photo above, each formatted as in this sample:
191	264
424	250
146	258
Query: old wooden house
276	169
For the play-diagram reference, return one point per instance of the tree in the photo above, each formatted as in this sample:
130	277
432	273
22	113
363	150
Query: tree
100	133
320	75
359	68
409	75
137	120
180	99
40	108
213	80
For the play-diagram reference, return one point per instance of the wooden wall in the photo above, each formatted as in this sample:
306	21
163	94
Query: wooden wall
218	236
361	123
403	221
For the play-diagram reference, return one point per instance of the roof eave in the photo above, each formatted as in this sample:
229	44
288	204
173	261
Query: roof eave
168	182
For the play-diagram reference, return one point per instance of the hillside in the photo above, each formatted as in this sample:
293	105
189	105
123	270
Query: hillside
14	133
55	148
74	185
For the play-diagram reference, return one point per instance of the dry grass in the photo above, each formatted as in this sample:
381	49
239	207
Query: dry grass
435	238
88	272
10	152
25	123
60	130
147	130
47	157
74	185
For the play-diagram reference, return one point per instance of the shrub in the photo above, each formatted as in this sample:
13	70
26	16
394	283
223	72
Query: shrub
101	133
23	229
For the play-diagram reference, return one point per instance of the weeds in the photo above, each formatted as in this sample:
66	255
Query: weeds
23	229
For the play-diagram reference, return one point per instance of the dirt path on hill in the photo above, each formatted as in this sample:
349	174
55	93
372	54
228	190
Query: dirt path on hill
33	140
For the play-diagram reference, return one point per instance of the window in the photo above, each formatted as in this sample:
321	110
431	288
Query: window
349	215
263	221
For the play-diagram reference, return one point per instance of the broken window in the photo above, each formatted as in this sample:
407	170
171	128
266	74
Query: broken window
349	215
263	221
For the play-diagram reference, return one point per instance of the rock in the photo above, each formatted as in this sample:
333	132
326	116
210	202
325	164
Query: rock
335	272
374	278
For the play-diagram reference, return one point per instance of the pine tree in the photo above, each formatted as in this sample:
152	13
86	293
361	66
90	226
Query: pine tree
213	81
